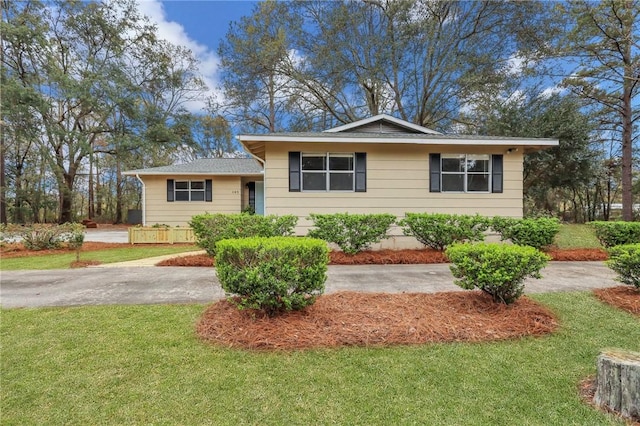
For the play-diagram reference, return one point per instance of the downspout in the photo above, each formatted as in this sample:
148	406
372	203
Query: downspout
144	200
264	180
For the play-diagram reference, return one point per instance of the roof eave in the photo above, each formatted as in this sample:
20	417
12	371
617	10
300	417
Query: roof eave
143	173
335	138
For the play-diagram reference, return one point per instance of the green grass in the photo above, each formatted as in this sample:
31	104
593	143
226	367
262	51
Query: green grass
144	365
64	260
573	236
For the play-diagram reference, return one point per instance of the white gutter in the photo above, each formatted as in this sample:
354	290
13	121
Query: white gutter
332	138
144	201
264	176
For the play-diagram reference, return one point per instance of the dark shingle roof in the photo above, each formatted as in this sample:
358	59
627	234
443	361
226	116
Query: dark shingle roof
209	166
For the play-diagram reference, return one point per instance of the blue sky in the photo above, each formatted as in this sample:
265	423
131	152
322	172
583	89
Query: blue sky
198	25
206	21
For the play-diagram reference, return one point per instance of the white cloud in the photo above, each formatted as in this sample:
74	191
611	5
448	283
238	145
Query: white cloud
514	65
549	91
175	33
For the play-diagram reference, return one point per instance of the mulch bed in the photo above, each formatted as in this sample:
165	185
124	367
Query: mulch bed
595	254
387	257
398	257
376	319
192	260
624	297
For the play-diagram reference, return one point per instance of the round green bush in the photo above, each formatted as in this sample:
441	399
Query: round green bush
625	261
272	274
497	269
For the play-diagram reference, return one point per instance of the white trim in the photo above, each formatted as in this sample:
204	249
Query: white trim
383	117
144	201
142	173
332	138
263	174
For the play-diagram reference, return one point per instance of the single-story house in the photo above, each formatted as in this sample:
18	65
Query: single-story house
379	164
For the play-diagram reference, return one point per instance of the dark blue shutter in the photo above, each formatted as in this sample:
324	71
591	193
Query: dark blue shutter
294	171
170	190
361	171
496	173
434	172
208	190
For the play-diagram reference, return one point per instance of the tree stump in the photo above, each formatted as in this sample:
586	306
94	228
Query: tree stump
618	383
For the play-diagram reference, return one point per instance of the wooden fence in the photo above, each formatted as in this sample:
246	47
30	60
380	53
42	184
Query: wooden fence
138	235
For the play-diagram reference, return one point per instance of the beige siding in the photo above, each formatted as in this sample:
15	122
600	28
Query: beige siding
227	198
397	182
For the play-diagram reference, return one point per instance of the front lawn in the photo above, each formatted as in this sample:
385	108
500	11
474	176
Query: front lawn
144	365
64	259
573	236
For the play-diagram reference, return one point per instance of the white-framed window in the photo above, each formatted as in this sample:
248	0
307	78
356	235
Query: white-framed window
189	190
466	172
327	171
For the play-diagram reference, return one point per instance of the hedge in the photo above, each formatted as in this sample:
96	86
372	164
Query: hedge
209	228
351	232
613	234
439	230
497	269
272	274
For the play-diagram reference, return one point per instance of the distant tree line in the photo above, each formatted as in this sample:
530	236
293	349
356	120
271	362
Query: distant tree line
89	90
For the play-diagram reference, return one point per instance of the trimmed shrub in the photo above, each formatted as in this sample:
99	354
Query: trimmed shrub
497	269
438	230
538	233
210	228
273	274
351	232
613	234
625	261
44	237
75	238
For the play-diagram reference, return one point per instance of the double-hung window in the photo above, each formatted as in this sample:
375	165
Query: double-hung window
318	172
189	190
466	172
327	172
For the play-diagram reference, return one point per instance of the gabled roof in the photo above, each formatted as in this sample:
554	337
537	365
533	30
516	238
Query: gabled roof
384	129
382	123
206	166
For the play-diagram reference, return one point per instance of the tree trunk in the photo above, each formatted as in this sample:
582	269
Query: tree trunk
627	139
66	198
3	190
119	203
618	383
91	196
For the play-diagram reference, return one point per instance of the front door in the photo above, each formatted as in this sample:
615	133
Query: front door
259	198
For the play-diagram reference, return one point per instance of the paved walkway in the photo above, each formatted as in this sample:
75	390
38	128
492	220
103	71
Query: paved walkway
149	261
122	284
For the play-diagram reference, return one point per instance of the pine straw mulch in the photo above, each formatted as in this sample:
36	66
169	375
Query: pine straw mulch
624	297
190	260
397	257
593	254
376	319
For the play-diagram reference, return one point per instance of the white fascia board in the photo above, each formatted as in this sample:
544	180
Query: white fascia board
409	141
141	173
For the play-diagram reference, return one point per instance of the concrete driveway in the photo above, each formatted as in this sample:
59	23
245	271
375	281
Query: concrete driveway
106	236
151	285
